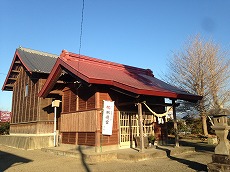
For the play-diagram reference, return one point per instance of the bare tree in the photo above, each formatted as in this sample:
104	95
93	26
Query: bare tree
202	68
218	75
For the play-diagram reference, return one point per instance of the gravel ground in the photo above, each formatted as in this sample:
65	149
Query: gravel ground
12	159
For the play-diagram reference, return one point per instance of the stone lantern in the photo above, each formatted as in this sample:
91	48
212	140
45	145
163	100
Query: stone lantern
221	158
221	129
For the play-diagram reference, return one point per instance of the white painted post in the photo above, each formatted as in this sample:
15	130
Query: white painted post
55	124
55	104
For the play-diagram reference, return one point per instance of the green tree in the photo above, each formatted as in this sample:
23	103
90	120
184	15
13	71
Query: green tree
5	128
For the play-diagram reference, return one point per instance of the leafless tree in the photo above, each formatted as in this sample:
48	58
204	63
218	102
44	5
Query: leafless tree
202	68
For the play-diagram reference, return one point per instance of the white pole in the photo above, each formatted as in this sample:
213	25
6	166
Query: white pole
55	110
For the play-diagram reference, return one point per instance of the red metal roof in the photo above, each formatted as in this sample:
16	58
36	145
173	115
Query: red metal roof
95	71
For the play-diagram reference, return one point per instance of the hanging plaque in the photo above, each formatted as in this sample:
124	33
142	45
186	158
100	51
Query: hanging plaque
107	119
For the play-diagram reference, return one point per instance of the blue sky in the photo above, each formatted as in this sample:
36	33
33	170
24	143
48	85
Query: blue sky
141	33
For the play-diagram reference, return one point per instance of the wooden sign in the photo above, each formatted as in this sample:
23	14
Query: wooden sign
107	119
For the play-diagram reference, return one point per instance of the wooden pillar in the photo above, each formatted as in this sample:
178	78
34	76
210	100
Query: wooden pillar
140	120
98	142
175	125
98	135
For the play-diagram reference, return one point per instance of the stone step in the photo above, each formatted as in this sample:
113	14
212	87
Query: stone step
122	154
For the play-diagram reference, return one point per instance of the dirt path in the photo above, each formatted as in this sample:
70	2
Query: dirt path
35	160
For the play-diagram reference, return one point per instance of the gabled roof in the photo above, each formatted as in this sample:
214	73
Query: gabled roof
95	71
32	60
37	61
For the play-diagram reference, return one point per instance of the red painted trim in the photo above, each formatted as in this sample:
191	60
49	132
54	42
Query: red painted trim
74	71
51	80
8	74
69	56
168	94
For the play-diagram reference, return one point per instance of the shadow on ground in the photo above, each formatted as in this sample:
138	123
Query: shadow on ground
83	159
191	164
199	146
8	160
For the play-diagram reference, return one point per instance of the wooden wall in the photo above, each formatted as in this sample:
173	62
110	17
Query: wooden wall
81	119
84	121
29	108
32	128
69	137
82	114
114	138
24	108
45	109
27	128
78	99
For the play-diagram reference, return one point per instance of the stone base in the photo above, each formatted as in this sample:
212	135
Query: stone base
220	163
106	148
27	142
212	141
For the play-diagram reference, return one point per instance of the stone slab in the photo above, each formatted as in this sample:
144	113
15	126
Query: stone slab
129	154
222	159
216	167
26	142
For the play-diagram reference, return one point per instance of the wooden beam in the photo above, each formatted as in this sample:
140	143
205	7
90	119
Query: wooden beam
152	104
140	121
15	71
175	125
13	79
125	93
59	92
8	89
163	104
126	103
9	85
60	82
56	92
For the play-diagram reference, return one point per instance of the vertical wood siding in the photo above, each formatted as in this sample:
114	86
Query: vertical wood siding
46	111
85	100
72	101
69	137
114	138
32	128
86	138
65	101
79	121
29	108
21	106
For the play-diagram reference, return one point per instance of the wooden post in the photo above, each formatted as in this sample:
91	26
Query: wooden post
175	124
140	120
97	141
98	131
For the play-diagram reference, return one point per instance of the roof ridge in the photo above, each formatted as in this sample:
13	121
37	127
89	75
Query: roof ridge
37	52
72	56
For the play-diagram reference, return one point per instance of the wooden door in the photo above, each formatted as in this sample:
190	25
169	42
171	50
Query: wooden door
129	127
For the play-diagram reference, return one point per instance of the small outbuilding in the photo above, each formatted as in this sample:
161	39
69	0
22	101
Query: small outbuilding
32	117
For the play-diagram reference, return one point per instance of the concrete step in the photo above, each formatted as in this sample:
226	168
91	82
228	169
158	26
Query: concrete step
129	154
